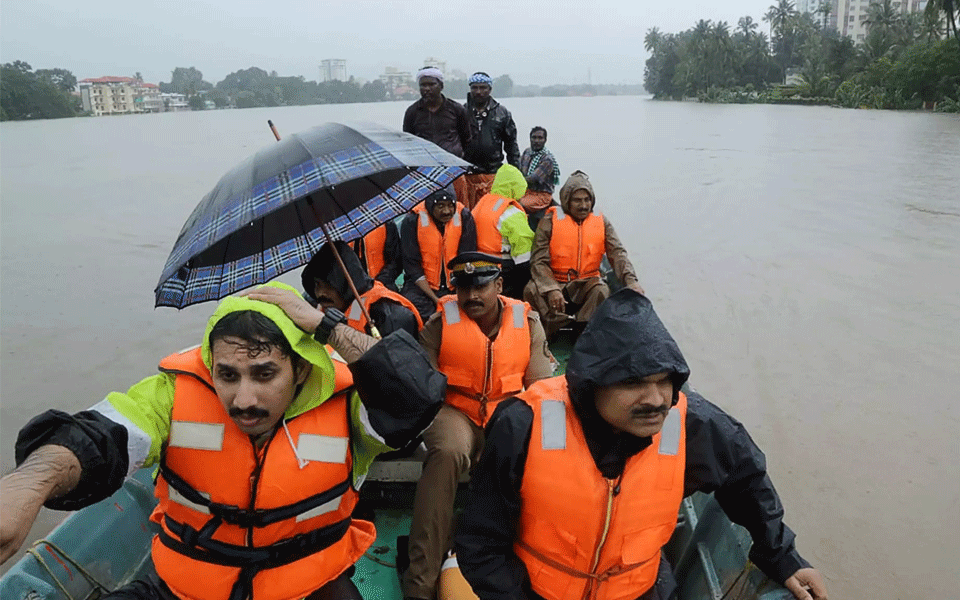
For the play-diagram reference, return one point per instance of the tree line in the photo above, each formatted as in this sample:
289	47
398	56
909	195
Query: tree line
906	60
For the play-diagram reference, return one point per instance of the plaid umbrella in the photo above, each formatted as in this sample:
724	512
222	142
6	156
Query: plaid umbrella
266	216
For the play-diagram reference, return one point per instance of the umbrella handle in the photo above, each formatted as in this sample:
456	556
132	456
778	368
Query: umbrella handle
353	288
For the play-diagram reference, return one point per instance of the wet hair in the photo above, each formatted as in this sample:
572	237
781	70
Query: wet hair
538	128
259	334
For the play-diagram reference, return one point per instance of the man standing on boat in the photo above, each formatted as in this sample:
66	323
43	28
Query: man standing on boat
542	173
567	252
262	442
494	134
444	122
431	235
490	347
582	475
503	230
326	285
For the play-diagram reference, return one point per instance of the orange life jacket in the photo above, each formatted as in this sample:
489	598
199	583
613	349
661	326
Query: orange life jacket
581	535
370	250
576	249
378	292
240	522
437	249
487	214
477	380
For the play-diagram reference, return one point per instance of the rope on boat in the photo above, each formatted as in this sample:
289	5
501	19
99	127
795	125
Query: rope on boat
90	578
380	560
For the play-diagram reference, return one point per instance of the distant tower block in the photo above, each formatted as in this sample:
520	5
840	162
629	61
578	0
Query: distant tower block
430	61
333	69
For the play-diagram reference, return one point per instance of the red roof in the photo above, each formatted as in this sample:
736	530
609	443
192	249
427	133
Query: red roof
108	79
149	85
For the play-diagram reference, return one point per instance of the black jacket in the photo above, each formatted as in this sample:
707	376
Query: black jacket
624	340
493	136
388	315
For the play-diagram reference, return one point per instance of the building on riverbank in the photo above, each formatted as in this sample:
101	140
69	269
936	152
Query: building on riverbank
111	95
851	15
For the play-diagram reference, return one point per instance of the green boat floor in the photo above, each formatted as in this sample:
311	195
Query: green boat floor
376	575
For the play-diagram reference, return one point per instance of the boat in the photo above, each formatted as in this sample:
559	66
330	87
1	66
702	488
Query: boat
107	545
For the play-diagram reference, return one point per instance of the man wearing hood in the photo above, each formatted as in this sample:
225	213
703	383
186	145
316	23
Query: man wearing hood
379	253
494	133
503	229
262	442
490	347
430	236
630	445
567	252
325	285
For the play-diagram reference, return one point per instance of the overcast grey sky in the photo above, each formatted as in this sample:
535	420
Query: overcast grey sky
550	41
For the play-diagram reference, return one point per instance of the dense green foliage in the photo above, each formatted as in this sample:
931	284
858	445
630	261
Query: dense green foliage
41	94
904	61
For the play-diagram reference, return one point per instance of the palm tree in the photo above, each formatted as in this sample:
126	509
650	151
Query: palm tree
779	15
653	39
950	9
824	10
746	26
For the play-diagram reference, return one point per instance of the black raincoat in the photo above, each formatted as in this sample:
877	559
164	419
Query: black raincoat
624	340
388	315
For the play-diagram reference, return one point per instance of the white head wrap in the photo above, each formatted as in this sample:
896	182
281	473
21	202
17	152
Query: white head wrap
430	72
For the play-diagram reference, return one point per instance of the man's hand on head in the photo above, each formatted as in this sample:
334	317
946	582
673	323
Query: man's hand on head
806	584
305	317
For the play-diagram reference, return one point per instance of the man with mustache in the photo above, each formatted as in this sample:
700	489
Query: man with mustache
325	285
490	347
581	478
430	236
568	249
262	442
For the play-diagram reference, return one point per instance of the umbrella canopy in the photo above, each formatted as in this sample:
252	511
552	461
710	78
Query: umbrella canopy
266	215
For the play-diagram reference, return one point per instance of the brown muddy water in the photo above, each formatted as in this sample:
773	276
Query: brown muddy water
806	259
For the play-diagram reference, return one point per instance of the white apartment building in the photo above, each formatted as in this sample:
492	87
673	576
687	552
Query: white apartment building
333	69
852	14
119	95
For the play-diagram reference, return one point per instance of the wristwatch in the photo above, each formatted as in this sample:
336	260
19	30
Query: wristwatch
331	318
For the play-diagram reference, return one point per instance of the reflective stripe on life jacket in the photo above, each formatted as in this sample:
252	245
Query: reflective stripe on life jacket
378	292
370	249
244	522
576	249
489	215
584	536
437	249
478	379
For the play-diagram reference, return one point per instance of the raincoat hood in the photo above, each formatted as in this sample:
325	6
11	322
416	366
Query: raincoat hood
624	340
324	266
509	182
578	180
302	343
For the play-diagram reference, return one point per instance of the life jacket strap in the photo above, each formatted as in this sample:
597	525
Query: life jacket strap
258	517
249	560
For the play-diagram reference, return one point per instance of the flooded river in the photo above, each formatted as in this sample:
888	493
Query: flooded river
806	259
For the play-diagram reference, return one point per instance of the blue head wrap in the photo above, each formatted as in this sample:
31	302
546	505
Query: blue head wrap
481	78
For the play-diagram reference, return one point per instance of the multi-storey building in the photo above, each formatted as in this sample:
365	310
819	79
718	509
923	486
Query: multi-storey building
852	15
333	69
119	95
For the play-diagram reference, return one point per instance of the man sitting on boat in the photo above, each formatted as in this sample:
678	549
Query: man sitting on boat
379	253
261	441
567	252
325	283
582	475
503	230
431	235
490	347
